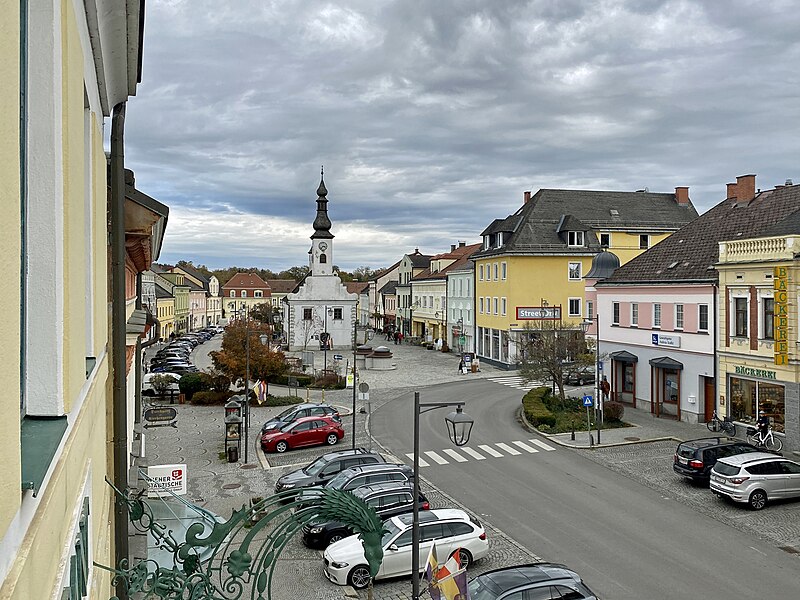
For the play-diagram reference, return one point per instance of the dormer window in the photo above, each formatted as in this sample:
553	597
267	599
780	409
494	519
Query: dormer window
499	241
575	238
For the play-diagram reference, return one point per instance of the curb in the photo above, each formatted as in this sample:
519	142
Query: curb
554	440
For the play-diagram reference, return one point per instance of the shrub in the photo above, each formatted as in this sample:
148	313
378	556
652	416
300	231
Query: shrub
330	381
613	411
210	398
535	410
189	384
161	383
303	380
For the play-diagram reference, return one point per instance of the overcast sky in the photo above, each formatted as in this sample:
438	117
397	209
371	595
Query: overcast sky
432	117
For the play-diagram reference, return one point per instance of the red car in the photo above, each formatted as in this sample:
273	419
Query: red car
308	431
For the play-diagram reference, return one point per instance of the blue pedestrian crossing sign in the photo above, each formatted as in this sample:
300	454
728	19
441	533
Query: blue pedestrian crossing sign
588	401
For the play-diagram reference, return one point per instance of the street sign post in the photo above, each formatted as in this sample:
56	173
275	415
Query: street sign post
337	357
588	402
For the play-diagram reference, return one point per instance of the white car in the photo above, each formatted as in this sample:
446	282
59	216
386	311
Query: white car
147	386
450	528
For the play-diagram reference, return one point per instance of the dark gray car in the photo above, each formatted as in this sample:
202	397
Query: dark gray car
537	581
325	468
356	477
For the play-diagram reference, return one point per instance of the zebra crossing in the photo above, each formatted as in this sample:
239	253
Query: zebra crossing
481	452
517	382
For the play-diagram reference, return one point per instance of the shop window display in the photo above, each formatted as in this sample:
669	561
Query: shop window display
747	397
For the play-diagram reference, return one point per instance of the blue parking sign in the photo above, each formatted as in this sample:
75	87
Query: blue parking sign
588	401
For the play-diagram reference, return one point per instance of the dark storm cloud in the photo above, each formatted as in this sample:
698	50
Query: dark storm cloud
432	118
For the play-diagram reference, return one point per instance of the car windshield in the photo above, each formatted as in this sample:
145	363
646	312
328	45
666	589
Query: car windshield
725	469
315	467
482	589
391	530
339	481
287	427
285	413
686	451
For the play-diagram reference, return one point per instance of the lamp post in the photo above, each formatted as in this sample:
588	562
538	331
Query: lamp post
264	339
459	427
325	339
598	367
355	378
460	335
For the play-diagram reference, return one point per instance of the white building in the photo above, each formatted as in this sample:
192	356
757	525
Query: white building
460	305
321	307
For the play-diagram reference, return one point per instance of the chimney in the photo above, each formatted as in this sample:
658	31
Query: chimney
526	197
731	193
461	244
745	188
452	247
682	196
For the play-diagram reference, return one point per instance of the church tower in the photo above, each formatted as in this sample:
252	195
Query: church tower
322	240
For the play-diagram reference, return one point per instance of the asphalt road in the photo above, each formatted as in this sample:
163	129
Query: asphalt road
626	540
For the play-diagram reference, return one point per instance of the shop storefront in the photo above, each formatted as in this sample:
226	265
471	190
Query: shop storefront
665	381
623	377
752	390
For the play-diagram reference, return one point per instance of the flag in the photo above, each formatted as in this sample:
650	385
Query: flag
431	567
260	390
452	578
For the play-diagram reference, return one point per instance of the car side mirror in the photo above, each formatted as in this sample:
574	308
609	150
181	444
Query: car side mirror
393	547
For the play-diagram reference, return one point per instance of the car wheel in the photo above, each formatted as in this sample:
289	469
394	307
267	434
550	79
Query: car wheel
465	557
359	577
332	439
758	500
335	537
281	446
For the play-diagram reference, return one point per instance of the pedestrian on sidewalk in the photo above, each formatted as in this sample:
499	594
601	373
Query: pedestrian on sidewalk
461	366
605	387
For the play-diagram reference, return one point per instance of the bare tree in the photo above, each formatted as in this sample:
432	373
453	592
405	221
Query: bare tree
549	348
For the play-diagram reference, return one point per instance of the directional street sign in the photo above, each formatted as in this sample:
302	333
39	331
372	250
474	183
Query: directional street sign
588	401
337	357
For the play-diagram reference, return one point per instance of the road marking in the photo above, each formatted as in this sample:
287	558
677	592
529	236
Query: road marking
436	457
525	447
422	461
455	455
517	382
473	453
541	444
490	451
508	449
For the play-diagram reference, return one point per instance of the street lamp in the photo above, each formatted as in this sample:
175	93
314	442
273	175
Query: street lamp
459	427
264	339
598	366
325	340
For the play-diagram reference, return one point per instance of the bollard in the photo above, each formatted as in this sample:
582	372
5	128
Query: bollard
572	436
233	454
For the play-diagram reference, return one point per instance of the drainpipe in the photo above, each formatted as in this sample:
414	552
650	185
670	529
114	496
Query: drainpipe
716	335
119	434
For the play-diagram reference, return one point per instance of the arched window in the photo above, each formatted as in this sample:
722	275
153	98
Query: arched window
323	258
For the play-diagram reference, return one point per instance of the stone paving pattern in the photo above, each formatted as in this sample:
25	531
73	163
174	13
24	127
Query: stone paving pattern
222	487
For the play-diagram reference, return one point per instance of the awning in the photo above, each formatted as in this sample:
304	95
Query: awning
623	356
665	362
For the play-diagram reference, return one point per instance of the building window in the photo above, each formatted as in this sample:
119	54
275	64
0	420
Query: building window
495	271
575	238
574	271
702	317
233	293
495	305
634	314
589	310
480	305
503	271
307	314
258	294
769	318
574	307
244	293
657	315
323	259
679	316
480	272
644	242
605	240
740	316
503	306
748	397
615	313
337	313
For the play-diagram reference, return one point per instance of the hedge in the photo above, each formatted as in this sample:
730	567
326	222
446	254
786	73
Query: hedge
303	380
536	411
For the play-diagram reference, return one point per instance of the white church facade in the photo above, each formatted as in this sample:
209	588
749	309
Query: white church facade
321	309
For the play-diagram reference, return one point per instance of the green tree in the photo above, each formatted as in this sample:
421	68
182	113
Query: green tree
548	349
231	359
296	273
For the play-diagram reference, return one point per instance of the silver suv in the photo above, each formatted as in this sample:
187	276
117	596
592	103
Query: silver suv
756	478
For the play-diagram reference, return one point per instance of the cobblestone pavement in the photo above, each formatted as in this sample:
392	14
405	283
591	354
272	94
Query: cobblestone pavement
221	487
651	465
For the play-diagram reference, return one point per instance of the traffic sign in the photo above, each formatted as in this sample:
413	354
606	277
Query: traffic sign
588	401
337	357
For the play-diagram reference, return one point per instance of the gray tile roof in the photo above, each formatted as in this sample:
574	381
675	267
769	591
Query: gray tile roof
388	289
534	228
689	254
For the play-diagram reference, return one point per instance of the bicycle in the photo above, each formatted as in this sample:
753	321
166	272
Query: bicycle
716	424
768	442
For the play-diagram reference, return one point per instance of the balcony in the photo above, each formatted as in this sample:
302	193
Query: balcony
781	247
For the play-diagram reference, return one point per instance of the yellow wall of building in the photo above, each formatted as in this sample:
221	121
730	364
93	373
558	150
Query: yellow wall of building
72	86
626	245
10	247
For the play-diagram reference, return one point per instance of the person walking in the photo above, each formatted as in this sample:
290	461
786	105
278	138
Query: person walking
461	366
605	387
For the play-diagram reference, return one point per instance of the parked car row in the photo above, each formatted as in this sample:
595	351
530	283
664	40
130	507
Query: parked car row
738	471
173	359
302	425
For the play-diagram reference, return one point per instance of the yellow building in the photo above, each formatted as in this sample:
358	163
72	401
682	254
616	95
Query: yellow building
758	335
60	438
537	257
165	303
